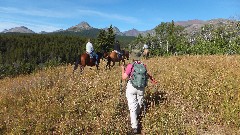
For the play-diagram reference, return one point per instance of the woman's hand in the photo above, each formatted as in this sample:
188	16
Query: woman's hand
124	75
122	67
154	82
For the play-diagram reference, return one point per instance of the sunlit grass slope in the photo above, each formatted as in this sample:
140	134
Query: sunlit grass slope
194	95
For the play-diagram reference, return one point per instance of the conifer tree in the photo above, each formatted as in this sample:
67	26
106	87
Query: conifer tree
102	40
110	37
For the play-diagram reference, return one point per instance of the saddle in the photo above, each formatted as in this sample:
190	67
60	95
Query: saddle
92	58
119	56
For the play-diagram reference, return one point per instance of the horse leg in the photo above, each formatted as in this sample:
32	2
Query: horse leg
108	63
97	67
75	67
81	69
76	64
113	63
123	62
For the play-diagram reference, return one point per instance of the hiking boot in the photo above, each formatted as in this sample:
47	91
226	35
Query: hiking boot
96	63
135	131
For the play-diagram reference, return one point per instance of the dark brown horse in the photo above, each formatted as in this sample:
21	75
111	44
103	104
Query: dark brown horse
125	54
113	57
105	55
85	60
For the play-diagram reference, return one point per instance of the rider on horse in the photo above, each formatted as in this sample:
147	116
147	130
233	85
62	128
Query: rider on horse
145	46
90	51
117	49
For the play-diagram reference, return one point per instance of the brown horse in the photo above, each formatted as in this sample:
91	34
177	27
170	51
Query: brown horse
125	54
113	57
85	60
105	55
146	53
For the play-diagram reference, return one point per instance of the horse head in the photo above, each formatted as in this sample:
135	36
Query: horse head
125	54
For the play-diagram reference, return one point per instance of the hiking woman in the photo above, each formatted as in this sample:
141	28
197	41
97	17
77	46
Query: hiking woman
135	87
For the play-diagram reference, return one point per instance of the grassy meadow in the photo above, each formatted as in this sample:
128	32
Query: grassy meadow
194	95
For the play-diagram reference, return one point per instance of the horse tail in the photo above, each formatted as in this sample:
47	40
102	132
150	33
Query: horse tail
76	63
108	58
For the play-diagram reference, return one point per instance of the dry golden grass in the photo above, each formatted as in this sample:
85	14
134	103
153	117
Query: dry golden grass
194	95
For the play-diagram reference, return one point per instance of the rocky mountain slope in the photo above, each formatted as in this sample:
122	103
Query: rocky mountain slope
21	29
81	26
116	30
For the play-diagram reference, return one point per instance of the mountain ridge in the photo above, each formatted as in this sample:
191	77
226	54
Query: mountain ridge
189	25
21	29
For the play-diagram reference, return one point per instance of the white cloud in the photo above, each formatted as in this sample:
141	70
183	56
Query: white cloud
36	19
110	16
7	25
35	27
35	12
15	17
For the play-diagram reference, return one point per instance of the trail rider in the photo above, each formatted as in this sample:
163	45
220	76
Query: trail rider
145	46
117	49
91	52
135	94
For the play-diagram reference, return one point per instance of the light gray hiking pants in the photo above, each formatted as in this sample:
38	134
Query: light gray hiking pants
135	102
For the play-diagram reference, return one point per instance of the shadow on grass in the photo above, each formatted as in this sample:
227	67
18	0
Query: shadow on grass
151	100
154	99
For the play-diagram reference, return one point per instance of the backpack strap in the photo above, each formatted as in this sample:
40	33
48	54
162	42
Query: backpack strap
132	69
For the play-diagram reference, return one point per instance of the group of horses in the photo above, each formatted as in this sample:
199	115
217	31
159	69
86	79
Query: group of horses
110	57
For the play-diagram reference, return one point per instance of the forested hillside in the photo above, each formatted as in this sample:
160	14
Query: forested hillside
24	53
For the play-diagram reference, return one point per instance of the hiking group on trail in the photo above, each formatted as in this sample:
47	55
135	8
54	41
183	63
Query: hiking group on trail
137	75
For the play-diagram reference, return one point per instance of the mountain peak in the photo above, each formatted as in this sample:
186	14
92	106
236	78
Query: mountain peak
132	32
81	26
21	29
115	30
189	22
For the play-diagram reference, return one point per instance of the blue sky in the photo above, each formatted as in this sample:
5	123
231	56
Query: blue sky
51	15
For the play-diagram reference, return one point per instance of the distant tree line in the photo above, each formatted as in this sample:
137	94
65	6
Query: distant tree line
212	39
25	53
